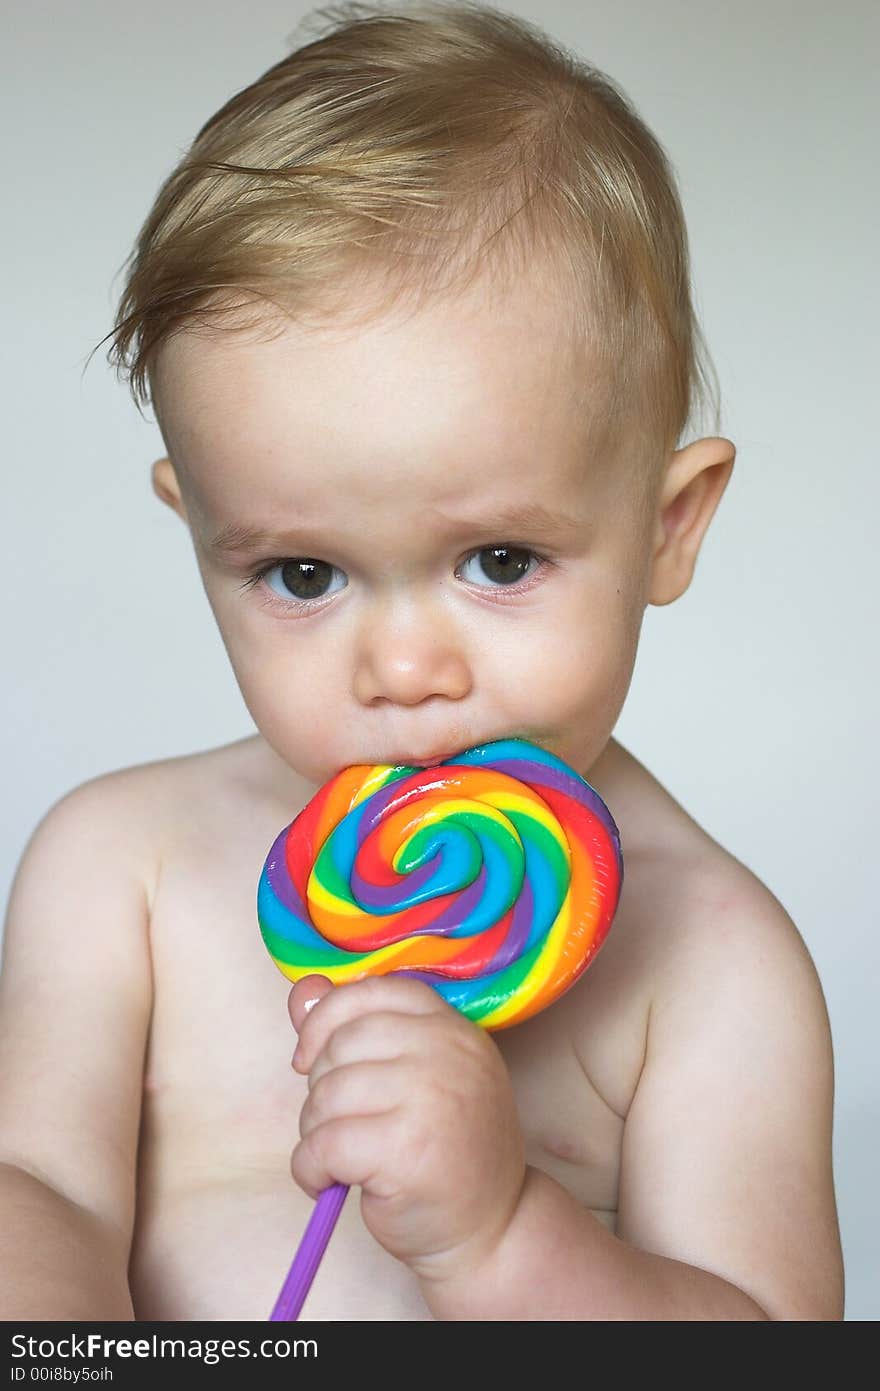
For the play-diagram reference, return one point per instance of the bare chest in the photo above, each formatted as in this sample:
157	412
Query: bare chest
218	1214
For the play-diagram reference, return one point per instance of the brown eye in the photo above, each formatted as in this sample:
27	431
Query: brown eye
303	579
502	565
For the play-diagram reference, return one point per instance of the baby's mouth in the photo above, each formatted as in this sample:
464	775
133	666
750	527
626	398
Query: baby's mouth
402	758
405	761
448	755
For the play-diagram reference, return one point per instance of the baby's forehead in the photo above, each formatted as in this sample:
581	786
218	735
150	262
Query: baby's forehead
457	327
461	375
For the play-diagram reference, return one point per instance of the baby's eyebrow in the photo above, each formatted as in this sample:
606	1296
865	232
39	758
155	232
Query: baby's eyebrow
527	519
531	519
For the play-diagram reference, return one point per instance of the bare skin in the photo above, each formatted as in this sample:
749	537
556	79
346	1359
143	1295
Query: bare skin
239	1206
203	1211
657	1145
218	1216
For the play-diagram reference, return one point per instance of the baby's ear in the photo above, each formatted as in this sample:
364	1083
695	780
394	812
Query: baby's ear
695	479
167	488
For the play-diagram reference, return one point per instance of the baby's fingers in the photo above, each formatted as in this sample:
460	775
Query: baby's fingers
345	1003
350	1151
356	1089
304	996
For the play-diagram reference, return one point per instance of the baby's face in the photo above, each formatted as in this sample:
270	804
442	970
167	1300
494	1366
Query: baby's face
446	559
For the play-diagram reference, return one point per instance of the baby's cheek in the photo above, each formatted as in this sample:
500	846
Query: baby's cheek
581	672
297	710
310	737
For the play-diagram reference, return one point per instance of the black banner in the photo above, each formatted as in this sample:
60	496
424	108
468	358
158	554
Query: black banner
128	1356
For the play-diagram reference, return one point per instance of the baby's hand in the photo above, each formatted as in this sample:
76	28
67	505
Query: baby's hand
413	1102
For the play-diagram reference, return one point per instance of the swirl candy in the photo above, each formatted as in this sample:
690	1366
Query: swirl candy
493	876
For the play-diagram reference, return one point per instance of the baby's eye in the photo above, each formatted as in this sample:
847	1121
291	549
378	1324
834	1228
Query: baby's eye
503	565
302	578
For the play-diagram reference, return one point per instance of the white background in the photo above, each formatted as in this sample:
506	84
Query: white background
752	695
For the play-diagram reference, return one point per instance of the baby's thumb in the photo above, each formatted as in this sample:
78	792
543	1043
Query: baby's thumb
304	996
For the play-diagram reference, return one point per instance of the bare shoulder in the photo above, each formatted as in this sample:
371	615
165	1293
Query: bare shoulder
726	1160
161	783
689	908
714	926
77	984
151	806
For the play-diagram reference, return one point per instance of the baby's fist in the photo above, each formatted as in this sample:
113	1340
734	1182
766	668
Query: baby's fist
413	1102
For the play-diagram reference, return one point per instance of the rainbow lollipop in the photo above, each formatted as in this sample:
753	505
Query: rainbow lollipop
494	877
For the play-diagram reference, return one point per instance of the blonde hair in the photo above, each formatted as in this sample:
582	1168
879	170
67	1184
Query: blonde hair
415	147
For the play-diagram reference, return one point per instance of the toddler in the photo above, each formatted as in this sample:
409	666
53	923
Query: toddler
414	315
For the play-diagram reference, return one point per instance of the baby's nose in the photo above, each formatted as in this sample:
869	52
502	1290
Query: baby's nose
407	653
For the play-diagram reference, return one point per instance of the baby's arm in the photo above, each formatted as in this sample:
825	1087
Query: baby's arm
726	1200
728	1157
75	999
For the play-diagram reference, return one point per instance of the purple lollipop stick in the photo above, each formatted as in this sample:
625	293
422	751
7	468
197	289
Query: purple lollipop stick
309	1253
